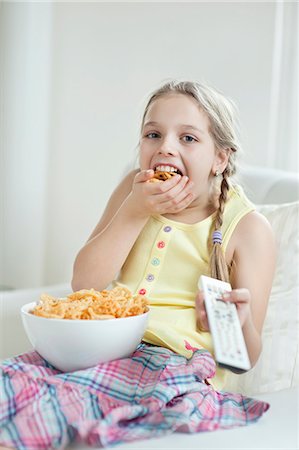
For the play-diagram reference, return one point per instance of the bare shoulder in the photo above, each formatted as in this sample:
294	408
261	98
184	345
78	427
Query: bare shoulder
253	230
254	235
254	224
117	198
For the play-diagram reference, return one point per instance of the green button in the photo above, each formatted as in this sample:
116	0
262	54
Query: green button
155	261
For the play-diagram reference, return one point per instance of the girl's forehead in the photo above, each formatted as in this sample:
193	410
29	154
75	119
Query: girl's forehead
180	108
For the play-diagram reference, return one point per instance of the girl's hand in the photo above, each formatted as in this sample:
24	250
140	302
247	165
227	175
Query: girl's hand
241	298
170	196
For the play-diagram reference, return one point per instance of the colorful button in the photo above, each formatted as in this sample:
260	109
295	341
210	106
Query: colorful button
155	261
142	292
167	229
150	277
161	244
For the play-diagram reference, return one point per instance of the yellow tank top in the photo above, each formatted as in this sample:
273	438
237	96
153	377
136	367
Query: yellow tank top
165	264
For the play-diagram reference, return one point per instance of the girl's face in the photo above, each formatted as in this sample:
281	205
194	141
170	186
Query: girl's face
176	134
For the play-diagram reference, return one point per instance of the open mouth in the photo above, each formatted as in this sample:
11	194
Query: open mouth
170	169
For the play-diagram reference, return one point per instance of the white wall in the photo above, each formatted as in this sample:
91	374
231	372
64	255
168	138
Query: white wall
25	122
100	62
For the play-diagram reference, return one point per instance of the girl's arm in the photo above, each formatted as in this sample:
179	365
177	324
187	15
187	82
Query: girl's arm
109	244
251	278
127	212
114	203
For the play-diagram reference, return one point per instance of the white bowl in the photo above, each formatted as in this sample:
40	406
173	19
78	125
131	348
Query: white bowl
78	344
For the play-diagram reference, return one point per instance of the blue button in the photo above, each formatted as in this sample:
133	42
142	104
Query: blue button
155	261
167	229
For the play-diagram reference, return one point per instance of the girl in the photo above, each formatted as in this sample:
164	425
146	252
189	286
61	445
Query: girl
160	237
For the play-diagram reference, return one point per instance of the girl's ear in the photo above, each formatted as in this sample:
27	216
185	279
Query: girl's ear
221	160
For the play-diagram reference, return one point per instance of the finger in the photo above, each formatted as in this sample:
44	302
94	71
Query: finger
178	204
179	191
202	321
176	181
157	186
183	204
241	295
165	186
144	175
200	311
199	301
176	193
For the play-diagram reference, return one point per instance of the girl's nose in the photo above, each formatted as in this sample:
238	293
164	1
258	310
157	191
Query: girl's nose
167	147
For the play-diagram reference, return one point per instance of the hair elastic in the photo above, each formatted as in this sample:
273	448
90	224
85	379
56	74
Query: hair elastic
217	237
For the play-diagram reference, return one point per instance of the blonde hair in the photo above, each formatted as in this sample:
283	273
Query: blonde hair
221	113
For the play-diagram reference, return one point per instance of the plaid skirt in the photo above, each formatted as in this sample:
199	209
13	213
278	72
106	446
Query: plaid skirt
152	393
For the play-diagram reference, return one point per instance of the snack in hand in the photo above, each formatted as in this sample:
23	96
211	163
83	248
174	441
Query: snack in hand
161	176
89	304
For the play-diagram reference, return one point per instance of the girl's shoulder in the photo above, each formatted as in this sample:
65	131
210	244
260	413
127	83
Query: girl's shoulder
253	232
252	223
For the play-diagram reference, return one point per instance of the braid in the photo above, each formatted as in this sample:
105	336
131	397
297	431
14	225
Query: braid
218	264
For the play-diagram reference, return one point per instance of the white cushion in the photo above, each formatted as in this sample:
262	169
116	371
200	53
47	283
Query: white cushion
13	339
277	367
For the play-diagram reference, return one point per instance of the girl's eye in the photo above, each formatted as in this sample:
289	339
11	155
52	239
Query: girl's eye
189	138
154	135
151	135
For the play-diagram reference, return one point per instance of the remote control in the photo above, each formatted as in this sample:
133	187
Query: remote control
229	344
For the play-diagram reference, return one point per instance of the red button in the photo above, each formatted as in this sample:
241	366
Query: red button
161	244
142	292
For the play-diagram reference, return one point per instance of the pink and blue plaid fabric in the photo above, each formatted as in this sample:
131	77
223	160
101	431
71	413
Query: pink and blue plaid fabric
152	393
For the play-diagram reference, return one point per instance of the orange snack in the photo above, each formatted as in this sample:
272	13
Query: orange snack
89	304
161	176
